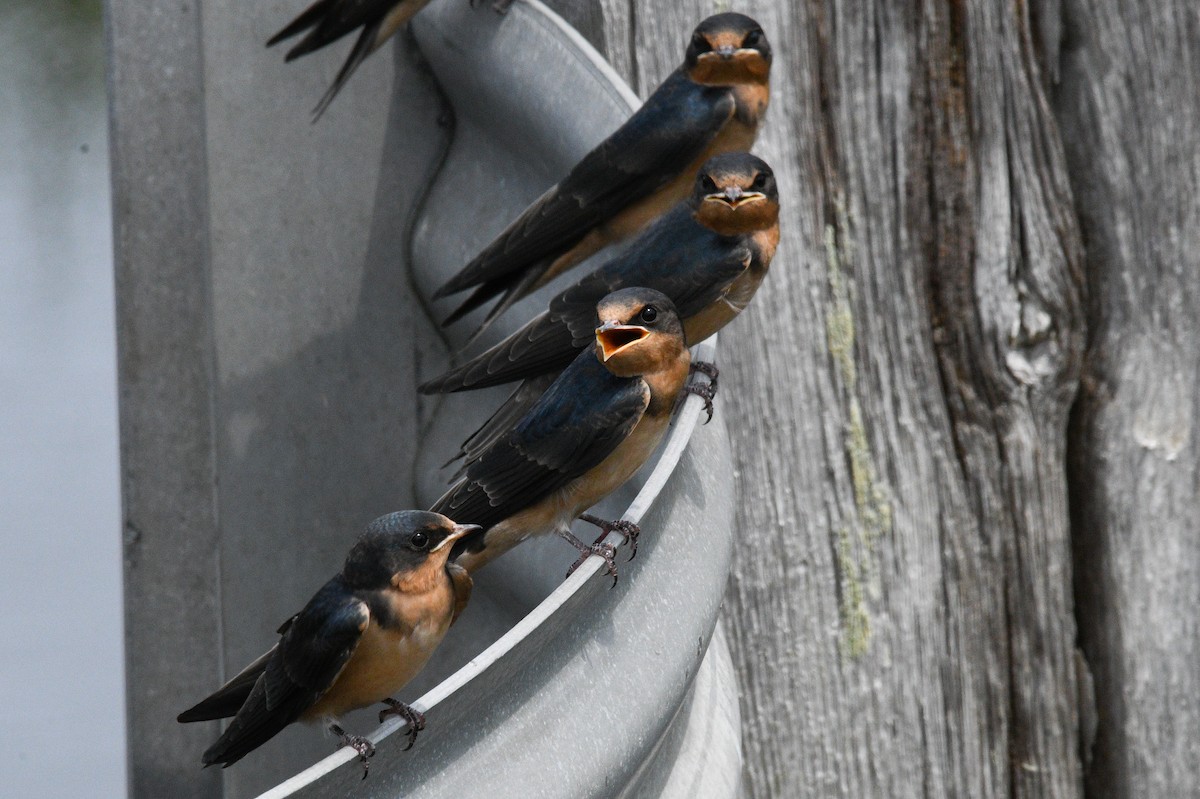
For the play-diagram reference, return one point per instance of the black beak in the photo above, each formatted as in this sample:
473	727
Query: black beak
458	532
726	51
733	194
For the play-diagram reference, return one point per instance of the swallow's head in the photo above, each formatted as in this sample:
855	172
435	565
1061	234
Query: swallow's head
639	332
727	49
735	193
398	544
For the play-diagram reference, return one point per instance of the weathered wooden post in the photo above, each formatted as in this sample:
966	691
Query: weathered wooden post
1128	107
964	439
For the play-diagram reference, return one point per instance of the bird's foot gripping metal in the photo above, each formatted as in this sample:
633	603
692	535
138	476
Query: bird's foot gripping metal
706	392
414	717
365	748
709	370
627	529
606	551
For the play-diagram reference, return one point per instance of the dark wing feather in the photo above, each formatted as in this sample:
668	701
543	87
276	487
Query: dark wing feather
504	419
363	47
229	698
314	649
311	17
676	255
329	20
575	425
666	134
543	345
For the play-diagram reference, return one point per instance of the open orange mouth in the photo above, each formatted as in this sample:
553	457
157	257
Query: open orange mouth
614	337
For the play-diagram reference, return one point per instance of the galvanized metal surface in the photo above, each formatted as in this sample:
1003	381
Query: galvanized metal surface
270	382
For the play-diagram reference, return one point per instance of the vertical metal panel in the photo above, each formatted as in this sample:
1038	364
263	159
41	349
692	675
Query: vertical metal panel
167	386
267	336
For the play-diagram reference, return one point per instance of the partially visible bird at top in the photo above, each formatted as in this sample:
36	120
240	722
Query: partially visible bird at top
713	103
586	435
360	639
326	21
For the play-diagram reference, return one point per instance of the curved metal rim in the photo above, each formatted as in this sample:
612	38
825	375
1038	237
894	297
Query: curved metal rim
671	451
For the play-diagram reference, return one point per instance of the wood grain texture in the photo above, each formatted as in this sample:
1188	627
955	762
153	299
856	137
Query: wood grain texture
902	612
1129	110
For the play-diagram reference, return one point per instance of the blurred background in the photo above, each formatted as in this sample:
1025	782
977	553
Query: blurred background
62	725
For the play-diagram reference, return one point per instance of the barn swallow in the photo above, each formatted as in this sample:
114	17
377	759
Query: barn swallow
713	103
361	638
584	437
326	21
709	254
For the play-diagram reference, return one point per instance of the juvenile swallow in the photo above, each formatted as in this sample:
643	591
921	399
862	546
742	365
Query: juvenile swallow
586	435
326	21
713	103
708	254
360	639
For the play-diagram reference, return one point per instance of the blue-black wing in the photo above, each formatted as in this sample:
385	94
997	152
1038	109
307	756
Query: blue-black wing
676	255
670	131
316	645
575	425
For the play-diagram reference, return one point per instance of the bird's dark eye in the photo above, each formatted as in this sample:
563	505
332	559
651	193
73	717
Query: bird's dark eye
753	39
700	43
649	314
708	183
760	182
419	540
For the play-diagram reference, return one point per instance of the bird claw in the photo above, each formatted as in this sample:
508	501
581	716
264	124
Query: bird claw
706	393
709	370
365	748
628	530
414	717
606	551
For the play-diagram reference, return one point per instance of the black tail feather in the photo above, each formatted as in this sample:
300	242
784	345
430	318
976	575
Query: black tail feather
362	48
310	18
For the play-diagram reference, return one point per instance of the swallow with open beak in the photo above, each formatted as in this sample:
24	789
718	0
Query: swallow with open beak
359	640
326	21
713	103
709	254
586	435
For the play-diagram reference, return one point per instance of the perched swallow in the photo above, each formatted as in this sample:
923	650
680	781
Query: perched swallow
326	21
713	103
361	638
709	254
586	435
